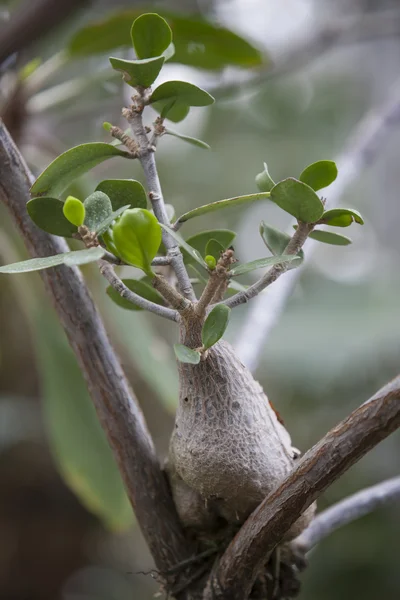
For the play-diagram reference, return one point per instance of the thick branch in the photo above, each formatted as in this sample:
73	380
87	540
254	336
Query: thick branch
361	150
319	468
108	272
298	240
148	162
348	510
115	402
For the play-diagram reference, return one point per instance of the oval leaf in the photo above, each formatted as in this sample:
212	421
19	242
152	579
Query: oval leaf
174	111
141	288
137	238
106	224
72	164
74	211
320	174
342	217
151	35
223	237
329	237
261	263
98	208
264	181
215	249
47	213
220	204
124	191
298	199
215	325
138	72
187	138
76	257
186	355
185	92
197	42
192	252
276	241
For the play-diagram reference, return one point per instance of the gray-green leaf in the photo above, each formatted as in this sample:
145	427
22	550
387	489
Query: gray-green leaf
47	213
187	138
182	91
276	241
342	217
140	287
220	204
98	208
215	325
199	241
151	35
138	72
186	355
329	237
320	174
76	257
124	191
264	182
298	199
261	263
189	249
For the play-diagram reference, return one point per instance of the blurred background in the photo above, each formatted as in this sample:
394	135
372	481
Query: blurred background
293	80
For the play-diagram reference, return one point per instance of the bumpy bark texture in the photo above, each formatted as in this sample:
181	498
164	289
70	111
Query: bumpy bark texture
228	450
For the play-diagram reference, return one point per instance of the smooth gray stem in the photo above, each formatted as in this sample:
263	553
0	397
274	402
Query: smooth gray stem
115	403
348	510
108	272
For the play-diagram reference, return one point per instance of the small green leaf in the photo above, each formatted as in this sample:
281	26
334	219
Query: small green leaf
190	140
72	164
215	325
76	257
329	237
74	211
275	240
138	72
98	208
107	126
151	35
210	261
186	355
124	191
184	92
106	224
342	217
137	238
47	213
173	110
261	263
215	248
191	252
199	241
298	199
141	288
320	174
220	204
264	181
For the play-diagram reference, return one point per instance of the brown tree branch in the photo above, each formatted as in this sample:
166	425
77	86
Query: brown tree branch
346	511
323	464
114	401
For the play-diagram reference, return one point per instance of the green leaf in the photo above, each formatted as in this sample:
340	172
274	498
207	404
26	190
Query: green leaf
276	241
264	181
197	42
192	252
188	139
182	91
72	164
76	257
220	204
141	288
186	355
215	325
329	237
210	261
138	72
98	208
76	438
320	174
124	191
151	35
106	224
342	217
47	213
215	248
137	238
298	199
261	263
174	111
74	211
199	241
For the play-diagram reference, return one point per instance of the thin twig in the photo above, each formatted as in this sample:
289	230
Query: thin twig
344	445
296	243
115	403
108	272
147	159
361	150
346	511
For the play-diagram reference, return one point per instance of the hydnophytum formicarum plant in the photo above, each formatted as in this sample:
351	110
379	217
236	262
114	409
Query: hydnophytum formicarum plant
228	449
